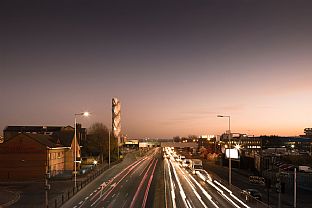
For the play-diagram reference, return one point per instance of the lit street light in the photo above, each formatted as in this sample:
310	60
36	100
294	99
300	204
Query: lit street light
86	114
230	159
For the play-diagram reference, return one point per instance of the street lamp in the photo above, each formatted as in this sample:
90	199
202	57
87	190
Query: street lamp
230	159
86	114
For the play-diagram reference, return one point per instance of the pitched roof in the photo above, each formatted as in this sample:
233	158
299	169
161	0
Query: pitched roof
45	140
64	137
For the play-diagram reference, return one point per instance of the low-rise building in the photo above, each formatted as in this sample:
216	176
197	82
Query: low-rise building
30	156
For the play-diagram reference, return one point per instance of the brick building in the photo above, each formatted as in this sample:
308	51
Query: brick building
29	156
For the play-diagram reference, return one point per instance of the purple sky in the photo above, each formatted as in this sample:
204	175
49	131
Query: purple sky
174	65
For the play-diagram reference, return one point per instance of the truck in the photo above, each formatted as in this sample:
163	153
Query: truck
196	164
305	169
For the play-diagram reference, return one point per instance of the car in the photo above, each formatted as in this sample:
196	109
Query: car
250	194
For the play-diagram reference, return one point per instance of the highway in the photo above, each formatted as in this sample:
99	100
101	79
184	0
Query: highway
129	187
154	181
183	189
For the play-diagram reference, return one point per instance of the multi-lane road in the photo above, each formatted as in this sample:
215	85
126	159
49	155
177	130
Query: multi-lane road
183	189
154	181
129	186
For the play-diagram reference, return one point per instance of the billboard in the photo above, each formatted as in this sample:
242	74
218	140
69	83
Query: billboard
232	152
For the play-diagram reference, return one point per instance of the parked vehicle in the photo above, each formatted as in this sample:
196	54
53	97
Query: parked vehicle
196	164
305	169
250	194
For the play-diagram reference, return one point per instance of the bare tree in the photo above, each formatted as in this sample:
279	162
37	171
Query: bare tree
97	140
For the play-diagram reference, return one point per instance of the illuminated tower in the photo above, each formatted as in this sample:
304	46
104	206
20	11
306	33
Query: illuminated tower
116	118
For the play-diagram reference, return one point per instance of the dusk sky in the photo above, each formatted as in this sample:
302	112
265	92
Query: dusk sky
174	65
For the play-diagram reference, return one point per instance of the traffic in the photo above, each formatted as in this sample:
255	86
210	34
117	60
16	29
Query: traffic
189	185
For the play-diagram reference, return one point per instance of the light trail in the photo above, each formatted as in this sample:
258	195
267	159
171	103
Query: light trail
148	185
171	185
204	191
99	190
231	193
165	182
180	186
221	192
195	192
140	185
107	194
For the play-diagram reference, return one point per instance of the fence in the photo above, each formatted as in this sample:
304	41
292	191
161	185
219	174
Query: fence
304	180
60	199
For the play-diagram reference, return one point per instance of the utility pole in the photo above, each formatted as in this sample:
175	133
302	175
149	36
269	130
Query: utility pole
46	187
230	159
295	188
278	187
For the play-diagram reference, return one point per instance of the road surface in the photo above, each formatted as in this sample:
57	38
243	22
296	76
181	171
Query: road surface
128	186
183	189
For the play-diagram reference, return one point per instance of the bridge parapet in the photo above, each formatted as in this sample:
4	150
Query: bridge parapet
179	144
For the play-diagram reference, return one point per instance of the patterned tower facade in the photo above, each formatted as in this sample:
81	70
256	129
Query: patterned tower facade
116	118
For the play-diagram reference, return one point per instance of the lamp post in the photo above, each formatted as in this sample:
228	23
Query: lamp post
109	157
86	114
230	159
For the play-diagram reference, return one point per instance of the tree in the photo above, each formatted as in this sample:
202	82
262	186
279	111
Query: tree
176	139
192	138
97	140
